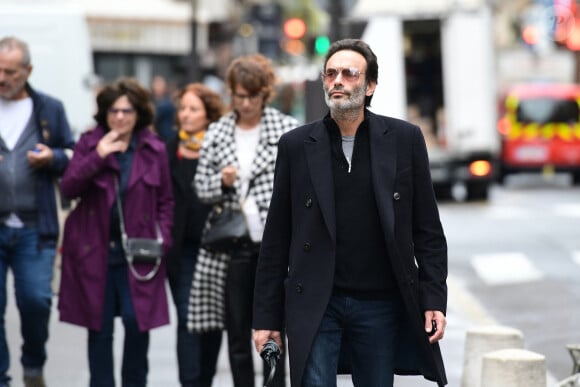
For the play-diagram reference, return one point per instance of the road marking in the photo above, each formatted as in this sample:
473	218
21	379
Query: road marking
570	210
465	312
465	303
505	268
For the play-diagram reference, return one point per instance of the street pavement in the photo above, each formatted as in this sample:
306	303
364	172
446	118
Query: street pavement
67	355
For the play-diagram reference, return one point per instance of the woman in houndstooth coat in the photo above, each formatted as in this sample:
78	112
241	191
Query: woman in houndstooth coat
237	161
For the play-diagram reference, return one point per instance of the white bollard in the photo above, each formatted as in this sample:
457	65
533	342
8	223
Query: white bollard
481	340
513	368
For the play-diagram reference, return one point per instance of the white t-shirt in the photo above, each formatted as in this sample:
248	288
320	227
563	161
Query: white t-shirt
246	144
14	116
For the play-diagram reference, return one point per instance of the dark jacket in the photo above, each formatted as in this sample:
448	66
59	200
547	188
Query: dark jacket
187	205
54	132
148	202
296	267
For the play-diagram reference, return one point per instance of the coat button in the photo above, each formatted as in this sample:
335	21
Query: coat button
396	196
308	203
306	246
299	288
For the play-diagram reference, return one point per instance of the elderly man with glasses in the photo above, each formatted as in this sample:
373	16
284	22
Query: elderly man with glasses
34	137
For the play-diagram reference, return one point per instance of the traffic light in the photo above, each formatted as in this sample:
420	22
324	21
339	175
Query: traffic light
321	45
573	40
530	35
294	30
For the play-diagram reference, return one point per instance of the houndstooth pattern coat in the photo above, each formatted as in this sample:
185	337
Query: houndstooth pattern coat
206	310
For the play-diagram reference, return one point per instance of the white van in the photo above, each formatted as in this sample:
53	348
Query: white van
58	38
437	69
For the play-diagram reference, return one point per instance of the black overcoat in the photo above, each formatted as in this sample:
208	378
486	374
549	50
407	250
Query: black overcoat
295	273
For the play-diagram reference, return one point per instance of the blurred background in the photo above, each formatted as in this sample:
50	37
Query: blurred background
194	40
493	85
446	65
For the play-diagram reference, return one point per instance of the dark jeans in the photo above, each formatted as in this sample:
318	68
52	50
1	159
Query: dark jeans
369	328
32	270
197	353
239	304
135	366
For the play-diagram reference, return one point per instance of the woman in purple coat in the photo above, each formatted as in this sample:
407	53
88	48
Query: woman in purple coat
96	283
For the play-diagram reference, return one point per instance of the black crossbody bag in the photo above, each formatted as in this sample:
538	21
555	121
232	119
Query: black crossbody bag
140	250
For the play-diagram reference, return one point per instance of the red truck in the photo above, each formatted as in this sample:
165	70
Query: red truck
540	129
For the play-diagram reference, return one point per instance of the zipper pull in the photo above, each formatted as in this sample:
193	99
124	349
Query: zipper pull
349	164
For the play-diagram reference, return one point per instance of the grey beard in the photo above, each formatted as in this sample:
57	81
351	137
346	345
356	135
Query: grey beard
348	108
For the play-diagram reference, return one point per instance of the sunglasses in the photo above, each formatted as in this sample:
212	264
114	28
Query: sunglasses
349	74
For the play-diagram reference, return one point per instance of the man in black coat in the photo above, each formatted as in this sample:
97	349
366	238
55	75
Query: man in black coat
353	259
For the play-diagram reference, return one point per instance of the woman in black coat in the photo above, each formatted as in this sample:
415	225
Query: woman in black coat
197	107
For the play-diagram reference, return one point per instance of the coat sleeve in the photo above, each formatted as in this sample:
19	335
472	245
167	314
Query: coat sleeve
84	165
61	152
430	246
272	270
165	202
207	181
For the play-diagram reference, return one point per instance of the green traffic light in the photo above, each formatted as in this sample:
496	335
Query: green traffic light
321	45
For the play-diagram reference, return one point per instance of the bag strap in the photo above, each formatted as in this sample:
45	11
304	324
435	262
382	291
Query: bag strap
124	238
121	217
247	191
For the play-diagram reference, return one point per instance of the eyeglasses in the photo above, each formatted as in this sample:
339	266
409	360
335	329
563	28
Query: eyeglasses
349	74
125	111
242	97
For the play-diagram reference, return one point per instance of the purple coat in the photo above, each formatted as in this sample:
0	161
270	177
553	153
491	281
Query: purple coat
90	180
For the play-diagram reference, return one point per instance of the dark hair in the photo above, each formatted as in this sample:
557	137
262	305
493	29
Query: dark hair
254	73
138	96
212	102
357	45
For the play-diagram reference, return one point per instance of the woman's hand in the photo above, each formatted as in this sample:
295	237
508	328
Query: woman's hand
229	174
110	143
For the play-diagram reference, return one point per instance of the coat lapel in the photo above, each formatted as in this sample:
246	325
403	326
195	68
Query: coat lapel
318	156
265	151
182	184
383	169
142	160
103	180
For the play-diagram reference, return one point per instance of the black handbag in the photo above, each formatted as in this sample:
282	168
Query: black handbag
227	230
143	250
140	250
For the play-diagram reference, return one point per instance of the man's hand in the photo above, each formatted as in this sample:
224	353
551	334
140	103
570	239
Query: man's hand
440	321
262	336
40	157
